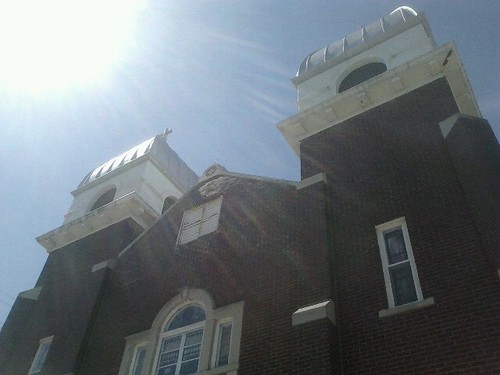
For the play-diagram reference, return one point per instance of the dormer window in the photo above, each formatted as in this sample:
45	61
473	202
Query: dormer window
362	74
105	198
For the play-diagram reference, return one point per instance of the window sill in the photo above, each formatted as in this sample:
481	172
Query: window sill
220	370
406	308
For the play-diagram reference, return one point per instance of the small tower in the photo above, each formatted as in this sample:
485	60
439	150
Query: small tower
391	122
140	184
374	65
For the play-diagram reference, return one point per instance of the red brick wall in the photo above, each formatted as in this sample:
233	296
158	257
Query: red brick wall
270	251
386	163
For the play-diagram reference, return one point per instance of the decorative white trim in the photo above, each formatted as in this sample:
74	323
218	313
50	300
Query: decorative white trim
382	89
320	177
109	263
109	214
322	310
446	125
31	294
214	316
406	308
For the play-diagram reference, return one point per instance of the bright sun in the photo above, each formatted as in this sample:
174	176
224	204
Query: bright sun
54	44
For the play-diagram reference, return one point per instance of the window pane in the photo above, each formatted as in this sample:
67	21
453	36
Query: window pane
40	356
139	360
170	370
189	367
171	343
191	352
224	344
169	358
403	286
190	315
194	337
395	245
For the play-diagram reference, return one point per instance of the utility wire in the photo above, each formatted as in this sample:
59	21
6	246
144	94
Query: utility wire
6	303
5	294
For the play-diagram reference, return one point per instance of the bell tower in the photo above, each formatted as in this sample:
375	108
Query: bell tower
390	120
384	60
139	184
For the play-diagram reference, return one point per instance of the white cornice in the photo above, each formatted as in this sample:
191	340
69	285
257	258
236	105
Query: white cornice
381	89
128	206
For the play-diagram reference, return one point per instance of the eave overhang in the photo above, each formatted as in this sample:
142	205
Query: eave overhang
128	206
441	62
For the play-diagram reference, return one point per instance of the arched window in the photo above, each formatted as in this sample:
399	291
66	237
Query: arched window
105	198
180	348
362	74
167	203
188	335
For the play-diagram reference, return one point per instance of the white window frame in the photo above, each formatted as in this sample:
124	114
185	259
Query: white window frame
182	331
41	355
381	230
215	317
133	366
217	342
199	221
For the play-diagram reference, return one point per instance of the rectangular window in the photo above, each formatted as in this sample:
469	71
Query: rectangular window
223	344
400	271
41	355
200	221
138	359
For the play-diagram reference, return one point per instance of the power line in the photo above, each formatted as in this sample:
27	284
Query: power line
5	294
6	303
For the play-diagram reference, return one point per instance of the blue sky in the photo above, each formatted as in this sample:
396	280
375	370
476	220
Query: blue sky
216	72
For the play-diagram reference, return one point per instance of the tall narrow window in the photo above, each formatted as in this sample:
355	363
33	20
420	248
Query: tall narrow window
400	271
41	355
223	344
200	221
180	346
138	359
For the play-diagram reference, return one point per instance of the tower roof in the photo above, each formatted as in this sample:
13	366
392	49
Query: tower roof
360	40
155	148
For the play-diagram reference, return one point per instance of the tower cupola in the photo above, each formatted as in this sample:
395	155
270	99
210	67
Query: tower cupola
369	67
140	183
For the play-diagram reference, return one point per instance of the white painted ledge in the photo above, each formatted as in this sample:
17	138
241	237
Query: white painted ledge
322	310
406	308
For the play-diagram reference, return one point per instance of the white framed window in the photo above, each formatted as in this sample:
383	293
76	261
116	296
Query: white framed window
400	271
222	343
41	355
189	335
138	358
180	343
199	221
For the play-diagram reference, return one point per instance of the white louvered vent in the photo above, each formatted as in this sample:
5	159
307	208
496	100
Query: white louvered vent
199	221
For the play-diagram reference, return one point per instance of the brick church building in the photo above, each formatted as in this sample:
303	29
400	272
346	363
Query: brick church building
383	259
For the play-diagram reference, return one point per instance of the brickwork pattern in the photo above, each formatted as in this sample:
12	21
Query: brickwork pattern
389	162
270	251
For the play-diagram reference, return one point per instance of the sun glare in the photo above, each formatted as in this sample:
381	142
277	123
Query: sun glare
54	44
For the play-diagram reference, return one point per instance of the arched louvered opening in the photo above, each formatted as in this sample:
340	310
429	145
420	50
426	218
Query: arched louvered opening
105	198
167	203
362	74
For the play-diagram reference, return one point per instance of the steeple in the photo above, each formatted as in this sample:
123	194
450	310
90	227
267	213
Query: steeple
140	184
